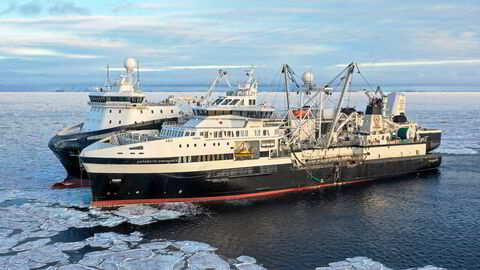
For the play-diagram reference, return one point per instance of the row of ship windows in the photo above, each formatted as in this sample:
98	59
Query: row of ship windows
195	145
215	134
98	121
120	111
231	102
203	158
250	114
104	99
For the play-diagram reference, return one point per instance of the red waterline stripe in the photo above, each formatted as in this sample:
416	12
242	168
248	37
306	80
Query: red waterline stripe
113	203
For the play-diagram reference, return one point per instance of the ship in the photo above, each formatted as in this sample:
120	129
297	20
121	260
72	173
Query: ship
113	108
237	148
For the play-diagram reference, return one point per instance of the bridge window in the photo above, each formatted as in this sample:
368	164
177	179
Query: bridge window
226	101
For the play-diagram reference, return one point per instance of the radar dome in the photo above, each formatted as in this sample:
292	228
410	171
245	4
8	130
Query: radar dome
308	78
130	64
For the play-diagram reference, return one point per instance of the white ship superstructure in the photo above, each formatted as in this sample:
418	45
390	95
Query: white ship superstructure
113	108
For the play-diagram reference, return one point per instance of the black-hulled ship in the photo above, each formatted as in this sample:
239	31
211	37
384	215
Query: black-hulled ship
234	148
112	109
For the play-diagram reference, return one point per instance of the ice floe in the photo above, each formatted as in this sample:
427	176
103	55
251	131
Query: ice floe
364	263
193	246
207	260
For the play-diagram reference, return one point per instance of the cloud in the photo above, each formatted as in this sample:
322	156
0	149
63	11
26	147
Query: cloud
418	63
168	68
447	41
39	52
67	8
149	6
30	9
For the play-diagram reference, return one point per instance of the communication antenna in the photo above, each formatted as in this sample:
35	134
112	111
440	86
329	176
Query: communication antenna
108	78
138	75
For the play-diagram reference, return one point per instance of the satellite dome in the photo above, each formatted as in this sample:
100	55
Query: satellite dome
308	78
130	64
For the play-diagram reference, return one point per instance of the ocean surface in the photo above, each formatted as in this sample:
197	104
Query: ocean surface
414	221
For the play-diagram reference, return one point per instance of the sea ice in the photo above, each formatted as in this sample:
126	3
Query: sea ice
31	245
193	246
246	259
249	266
156	245
206	260
135	211
71	245
157	262
46	254
141	220
5	232
75	267
108	265
7	243
167	214
91	260
99	242
112	221
430	267
42	234
119	246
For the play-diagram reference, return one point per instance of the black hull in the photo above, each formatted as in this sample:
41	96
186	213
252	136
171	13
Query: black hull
245	183
67	147
433	139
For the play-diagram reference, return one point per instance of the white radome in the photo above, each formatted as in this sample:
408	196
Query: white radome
308	78
130	64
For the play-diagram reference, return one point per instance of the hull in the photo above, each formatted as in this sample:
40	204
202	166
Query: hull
434	138
67	147
112	189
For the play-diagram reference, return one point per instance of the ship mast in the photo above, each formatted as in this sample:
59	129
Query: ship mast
348	80
221	74
285	73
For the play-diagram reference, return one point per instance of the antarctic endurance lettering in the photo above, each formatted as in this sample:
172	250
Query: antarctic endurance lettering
158	161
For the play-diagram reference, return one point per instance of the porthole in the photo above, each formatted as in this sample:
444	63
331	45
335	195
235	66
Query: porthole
213	144
110	121
119	111
188	145
171	111
120	121
180	146
195	145
204	144
161	111
110	111
152	111
141	111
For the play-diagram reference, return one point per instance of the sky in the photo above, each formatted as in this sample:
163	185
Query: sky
51	44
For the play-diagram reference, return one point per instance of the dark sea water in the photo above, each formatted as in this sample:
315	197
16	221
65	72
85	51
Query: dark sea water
413	221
